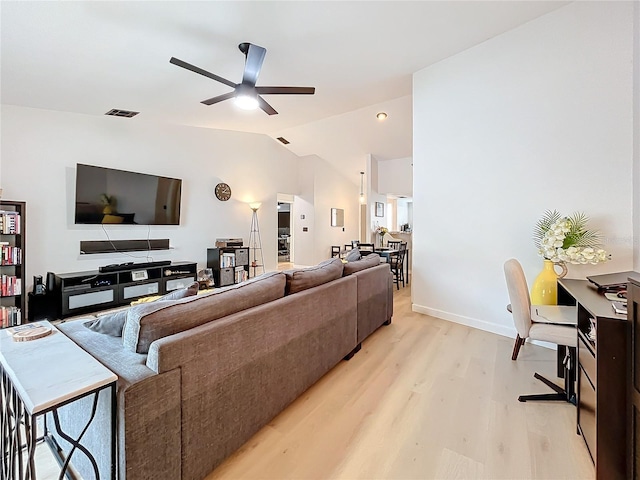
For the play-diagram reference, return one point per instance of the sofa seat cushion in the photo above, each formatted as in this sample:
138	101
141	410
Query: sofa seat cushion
368	261
151	321
112	323
304	278
129	366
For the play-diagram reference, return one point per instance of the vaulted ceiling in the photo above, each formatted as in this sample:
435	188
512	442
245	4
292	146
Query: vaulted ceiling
89	57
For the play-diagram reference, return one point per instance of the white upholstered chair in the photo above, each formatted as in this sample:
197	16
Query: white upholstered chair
389	238
548	323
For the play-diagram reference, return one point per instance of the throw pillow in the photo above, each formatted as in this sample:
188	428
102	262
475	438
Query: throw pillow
109	323
353	255
369	261
188	291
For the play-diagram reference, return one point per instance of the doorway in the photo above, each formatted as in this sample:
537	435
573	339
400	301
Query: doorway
284	235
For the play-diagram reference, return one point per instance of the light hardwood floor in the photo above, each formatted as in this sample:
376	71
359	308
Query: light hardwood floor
423	399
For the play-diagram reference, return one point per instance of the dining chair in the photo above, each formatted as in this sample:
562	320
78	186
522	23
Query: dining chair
395	244
548	323
335	251
366	248
396	262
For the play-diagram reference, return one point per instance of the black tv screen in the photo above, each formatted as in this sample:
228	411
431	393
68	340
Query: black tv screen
107	195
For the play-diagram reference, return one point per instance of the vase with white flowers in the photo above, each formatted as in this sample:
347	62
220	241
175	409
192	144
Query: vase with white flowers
561	240
381	231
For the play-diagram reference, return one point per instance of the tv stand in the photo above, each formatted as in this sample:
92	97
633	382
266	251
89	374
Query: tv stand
83	292
117	267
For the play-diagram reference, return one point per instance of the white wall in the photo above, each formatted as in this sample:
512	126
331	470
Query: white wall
373	195
395	177
41	148
537	118
322	188
405	211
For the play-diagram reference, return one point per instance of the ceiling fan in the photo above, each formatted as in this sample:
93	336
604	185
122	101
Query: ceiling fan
246	93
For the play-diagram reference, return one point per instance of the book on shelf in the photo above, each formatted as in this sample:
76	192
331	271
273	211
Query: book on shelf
227	260
240	274
10	316
9	222
10	255
10	285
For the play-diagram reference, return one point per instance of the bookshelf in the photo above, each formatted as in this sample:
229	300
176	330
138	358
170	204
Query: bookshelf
12	263
229	264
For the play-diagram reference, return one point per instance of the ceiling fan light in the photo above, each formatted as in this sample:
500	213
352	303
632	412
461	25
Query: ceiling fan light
246	102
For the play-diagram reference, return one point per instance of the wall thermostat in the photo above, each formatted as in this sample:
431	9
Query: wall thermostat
137	275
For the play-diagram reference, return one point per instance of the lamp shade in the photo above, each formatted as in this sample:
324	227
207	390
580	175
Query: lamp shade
255	206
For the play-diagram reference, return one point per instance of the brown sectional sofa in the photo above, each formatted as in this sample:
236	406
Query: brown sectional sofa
199	376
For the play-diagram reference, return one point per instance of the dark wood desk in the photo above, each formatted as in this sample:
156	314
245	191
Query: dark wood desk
603	369
633	383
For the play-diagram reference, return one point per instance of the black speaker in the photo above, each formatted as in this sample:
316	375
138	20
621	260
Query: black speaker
43	307
51	282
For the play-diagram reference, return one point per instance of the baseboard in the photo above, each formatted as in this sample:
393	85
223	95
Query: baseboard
509	332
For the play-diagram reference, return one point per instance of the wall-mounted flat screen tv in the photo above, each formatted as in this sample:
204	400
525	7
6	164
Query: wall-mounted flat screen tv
107	195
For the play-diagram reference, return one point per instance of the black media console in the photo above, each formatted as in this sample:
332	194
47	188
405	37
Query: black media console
83	292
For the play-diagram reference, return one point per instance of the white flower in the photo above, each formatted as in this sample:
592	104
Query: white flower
553	244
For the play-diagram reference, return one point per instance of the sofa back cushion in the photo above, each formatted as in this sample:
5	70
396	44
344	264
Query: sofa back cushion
149	322
304	278
112	323
369	261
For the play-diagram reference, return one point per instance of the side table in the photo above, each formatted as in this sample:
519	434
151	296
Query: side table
38	377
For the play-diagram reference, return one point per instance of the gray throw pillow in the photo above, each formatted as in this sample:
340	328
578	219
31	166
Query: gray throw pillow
113	323
109	323
187	291
353	255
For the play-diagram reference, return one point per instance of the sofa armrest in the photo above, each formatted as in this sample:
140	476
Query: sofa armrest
375	298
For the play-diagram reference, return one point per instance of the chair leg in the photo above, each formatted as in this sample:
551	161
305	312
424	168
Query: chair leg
516	347
567	393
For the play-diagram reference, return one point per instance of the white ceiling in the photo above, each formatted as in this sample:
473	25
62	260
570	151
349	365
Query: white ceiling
90	57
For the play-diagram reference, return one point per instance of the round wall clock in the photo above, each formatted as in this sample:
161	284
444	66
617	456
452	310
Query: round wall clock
223	192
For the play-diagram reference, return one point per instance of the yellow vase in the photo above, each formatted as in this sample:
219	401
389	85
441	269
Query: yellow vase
544	290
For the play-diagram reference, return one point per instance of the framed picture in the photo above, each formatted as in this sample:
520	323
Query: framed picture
379	209
337	217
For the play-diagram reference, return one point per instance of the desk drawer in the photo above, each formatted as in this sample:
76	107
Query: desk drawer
587	412
587	360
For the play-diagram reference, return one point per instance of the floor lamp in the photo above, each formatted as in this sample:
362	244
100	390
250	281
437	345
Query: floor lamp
255	243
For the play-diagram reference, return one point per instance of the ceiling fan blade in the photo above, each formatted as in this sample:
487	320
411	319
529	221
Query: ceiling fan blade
268	109
286	90
253	64
195	69
219	98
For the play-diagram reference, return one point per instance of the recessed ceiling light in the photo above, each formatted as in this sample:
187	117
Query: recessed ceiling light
381	116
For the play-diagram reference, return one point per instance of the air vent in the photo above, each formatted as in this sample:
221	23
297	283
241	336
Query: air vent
121	113
284	140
